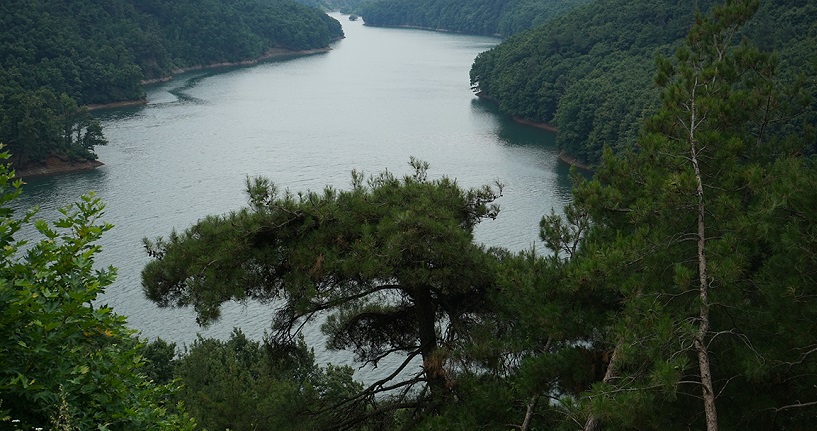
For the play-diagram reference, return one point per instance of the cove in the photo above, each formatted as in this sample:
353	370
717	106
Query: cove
377	98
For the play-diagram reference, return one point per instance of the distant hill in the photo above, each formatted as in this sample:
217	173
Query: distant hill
590	72
487	17
345	6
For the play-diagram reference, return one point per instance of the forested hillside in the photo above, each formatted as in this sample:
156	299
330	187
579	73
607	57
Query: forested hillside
489	17
55	55
590	72
345	6
677	290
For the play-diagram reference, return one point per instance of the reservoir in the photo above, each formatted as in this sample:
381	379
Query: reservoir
379	97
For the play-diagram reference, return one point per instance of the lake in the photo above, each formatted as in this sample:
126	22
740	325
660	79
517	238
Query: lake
377	98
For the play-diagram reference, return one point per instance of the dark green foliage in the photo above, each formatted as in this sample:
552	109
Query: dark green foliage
98	53
393	263
91	52
345	6
687	238
488	17
606	108
589	72
540	344
67	362
240	384
202	32
38	124
599	55
161	361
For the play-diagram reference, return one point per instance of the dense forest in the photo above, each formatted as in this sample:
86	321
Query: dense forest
58	56
345	6
488	17
677	290
589	72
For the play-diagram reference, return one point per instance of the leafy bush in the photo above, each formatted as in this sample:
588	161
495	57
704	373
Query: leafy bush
67	362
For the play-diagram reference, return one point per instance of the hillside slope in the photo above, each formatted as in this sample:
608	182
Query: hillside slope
488	17
590	71
57	55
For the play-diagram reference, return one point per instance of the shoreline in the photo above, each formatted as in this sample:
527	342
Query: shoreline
441	30
543	126
563	155
120	104
55	165
572	161
270	54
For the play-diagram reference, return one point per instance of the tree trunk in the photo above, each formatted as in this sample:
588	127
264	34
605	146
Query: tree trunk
703	279
530	408
592	423
426	324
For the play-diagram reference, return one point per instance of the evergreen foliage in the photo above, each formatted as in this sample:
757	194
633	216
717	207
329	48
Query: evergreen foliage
392	262
678	291
488	17
38	124
344	6
682	235
588	72
240	384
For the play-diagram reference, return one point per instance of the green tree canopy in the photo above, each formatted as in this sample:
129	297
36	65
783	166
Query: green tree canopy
488	17
687	233
589	71
241	384
392	264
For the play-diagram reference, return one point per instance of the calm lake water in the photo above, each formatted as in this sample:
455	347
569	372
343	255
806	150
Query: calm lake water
377	98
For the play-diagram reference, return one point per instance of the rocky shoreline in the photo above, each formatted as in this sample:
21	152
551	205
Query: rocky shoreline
55	165
572	161
544	126
270	54
122	104
563	156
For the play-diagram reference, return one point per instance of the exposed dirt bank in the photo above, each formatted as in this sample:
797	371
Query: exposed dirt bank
272	53
55	165
544	126
120	104
572	161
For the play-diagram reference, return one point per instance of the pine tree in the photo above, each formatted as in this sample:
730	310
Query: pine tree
673	237
391	263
